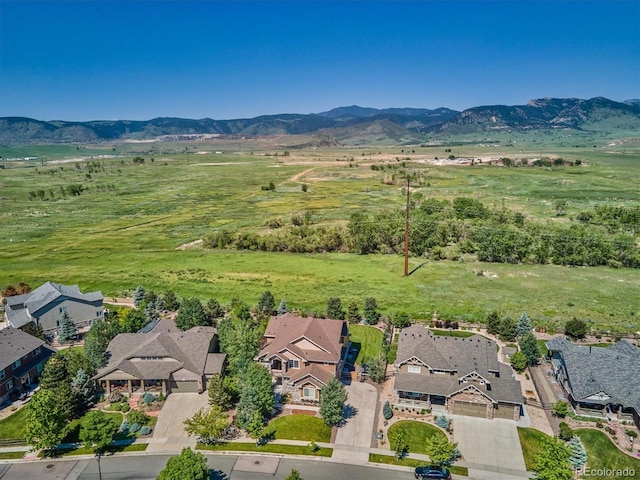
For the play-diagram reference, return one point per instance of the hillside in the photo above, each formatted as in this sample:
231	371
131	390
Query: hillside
349	125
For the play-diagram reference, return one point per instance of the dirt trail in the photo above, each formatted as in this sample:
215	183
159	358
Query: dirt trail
297	176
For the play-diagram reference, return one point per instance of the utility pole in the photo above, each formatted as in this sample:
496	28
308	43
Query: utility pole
406	234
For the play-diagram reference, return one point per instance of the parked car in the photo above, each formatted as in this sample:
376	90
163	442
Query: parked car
432	472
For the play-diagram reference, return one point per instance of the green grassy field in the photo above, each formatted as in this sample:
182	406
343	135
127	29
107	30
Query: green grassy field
268	448
414	433
411	462
602	454
301	427
14	425
368	341
126	228
531	441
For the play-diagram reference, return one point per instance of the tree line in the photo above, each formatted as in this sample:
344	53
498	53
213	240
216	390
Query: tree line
440	229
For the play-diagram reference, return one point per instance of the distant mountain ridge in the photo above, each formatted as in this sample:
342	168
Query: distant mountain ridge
342	123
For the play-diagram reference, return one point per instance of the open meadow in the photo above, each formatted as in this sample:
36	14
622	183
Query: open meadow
94	217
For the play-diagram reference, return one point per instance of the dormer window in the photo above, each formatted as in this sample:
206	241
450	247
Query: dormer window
294	364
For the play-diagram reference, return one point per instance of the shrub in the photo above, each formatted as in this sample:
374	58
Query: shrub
125	426
161	397
145	430
148	397
313	447
386	410
114	397
138	417
442	422
134	427
124	407
565	433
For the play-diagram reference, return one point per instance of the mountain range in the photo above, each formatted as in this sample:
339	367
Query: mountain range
346	124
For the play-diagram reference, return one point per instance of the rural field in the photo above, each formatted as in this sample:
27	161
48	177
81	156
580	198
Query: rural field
98	216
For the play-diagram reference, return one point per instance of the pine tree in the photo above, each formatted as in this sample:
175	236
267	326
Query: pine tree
171	302
266	303
387	412
353	314
68	330
371	313
524	325
84	389
493	323
138	295
578	453
334	308
282	308
529	346
332	402
218	393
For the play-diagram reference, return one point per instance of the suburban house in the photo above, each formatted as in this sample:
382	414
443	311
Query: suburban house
599	381
22	359
303	354
461	375
162	358
44	305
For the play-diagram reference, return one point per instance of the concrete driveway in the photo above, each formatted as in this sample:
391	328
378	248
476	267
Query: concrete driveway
169	431
490	444
357	432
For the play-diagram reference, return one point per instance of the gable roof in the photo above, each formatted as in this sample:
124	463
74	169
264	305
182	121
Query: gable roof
45	294
288	331
180	350
462	357
15	344
454	354
591	370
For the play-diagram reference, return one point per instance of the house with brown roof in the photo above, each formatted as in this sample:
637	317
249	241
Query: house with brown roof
162	358
304	353
459	375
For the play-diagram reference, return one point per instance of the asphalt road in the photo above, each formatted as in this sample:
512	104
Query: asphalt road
147	467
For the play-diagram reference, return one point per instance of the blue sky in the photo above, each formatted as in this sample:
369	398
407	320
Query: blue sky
89	60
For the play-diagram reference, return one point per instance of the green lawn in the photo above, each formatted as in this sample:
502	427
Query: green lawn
531	441
415	434
602	454
453	333
268	448
134	447
301	427
14	425
11	455
368	341
410	462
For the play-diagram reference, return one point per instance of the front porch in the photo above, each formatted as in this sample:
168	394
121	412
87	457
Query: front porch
133	386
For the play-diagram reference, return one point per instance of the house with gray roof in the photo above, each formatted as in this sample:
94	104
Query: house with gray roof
162	359
44	306
460	375
599	381
303	354
22	359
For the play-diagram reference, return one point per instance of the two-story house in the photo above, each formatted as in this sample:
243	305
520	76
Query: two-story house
22	359
44	306
303	354
461	375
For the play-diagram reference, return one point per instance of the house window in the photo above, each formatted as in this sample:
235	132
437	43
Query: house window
2	374
414	369
37	352
40	367
309	392
10	384
17	364
294	364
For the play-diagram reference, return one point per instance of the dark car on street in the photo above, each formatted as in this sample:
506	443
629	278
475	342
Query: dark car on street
432	472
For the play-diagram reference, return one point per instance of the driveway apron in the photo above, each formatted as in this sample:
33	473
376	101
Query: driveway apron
357	432
491	444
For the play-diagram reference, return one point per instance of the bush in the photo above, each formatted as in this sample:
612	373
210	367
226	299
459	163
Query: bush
145	430
386	410
313	447
565	433
134	427
138	417
442	422
148	397
161	397
114	397
125	426
124	407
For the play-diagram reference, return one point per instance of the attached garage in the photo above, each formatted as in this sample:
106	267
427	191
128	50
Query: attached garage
188	386
505	410
470	409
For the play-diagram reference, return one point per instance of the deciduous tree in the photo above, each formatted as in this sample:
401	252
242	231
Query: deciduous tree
519	361
439	449
332	401
46	421
189	464
97	430
575	328
551	462
207	424
219	393
191	314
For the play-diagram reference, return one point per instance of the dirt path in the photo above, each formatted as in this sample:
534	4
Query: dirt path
297	176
